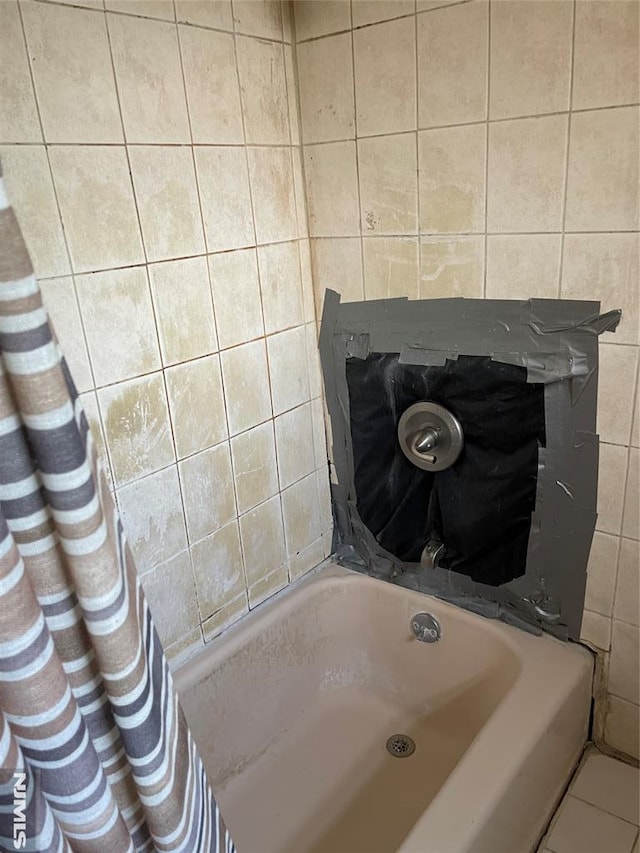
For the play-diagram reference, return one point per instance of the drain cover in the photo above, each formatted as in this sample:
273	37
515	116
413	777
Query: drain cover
401	746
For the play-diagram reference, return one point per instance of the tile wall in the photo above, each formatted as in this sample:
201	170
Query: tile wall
491	150
152	153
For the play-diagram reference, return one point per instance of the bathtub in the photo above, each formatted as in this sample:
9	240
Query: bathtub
292	708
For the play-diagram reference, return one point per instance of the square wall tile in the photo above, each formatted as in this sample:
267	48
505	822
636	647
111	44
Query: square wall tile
385	77
596	630
625	661
225	617
161	9
452	179
149	76
372	11
605	267
262	540
268	586
530	57
308	559
295	451
388	184
313	361
390	267
325	78
122	340
451	267
523	266
164	181
274	205
606	61
526	174
332	189
18	114
299	192
29	186
71	66
622	727
205	13
319	434
288	369
627	602
601	573
306	278
337	264
617	371
301	513
153	518
609	785
263	89
314	19
262	18
196	403
292	94
635	429
171	595
184	313
603	184
218	569
580	827
279	265
452	64
136	425
211	79
246	386
225	197
611	479
97	206
254	466
631	517
207	491
236	296
59	297
89	403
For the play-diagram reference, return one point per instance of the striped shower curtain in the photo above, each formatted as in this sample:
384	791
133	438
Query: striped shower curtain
95	753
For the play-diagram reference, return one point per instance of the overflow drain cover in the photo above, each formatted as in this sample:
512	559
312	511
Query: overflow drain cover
401	746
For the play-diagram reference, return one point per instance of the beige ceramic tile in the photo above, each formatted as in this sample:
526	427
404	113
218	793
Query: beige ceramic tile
165	186
268	586
153	518
89	4
236	296
325	517
59	297
272	189
596	630
263	89
635	429
288	369
325	78
171	596
617	371
337	264
218	569
428	5
299	192
306	277
207	491
89	403
71	65
581	827
161	9
452	178
390	267
631	517
196	404
98	210
315	19
530	57
205	13
371	11
18	114
261	18
388	184
224	618
118	321
625	661
452	65
295	451
627	603
605	267
611	477
601	574
609	785
332	189
603	185
135	415
279	265
319	434
313	361
523	266
301	513
451	267
292	94
262	540
606	61
246	386
287	20
184	649
184	314
385	77
622	726
211	79
254	466
30	189
149	77
306	560
225	197
526	174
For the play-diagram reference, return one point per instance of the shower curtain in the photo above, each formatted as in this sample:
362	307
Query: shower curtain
95	753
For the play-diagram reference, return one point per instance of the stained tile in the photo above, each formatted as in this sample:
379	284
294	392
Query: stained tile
301	513
271	174
226	201
601	575
325	78
390	267
207	491
631	517
268	586
622	726
611	478
205	13
59	297
262	540
254	466
261	18
280	284
18	114
170	591
263	89
609	785
337	264
288	369
627	602
236	296
451	267
372	11
523	266
196	404
617	371
582	828
218	569
624	663
246	386
292	94
295	451
313	20
596	630
225	617
332	189
161	9
388	184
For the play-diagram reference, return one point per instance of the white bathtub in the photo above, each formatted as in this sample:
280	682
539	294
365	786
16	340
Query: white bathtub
292	708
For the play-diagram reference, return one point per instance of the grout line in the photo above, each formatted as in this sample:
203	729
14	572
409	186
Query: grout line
486	154
565	188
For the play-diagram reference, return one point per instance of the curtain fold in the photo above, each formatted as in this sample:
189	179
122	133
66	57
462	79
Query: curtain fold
95	753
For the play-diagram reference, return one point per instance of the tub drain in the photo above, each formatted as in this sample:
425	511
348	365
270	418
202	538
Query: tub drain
401	746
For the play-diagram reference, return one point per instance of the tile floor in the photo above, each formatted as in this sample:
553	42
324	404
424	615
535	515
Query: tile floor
600	813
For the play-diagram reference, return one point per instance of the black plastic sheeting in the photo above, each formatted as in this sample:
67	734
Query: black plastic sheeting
481	507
